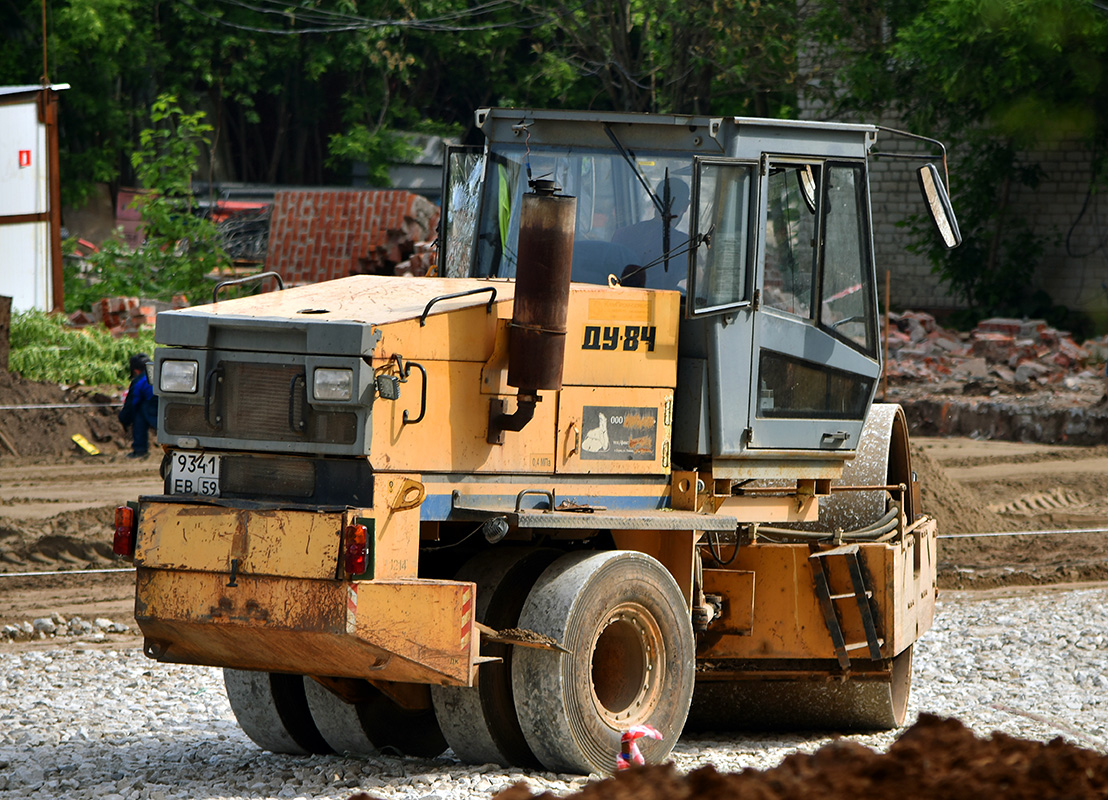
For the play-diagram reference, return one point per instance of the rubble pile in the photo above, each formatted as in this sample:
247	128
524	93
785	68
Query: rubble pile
421	261
1008	379
123	315
1012	354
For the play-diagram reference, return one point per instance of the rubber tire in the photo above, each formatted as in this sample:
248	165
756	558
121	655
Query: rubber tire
479	722
272	710
337	721
622	617
392	727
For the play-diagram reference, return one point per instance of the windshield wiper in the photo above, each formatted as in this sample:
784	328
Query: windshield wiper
663	207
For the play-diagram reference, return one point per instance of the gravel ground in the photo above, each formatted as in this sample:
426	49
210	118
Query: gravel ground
102	724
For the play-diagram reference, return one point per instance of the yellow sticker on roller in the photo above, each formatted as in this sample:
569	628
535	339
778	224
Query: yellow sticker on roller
621	310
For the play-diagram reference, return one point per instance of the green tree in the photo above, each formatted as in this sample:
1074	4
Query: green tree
181	248
724	56
104	49
998	80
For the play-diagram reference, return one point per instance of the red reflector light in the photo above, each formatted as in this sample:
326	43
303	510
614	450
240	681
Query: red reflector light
356	549
123	544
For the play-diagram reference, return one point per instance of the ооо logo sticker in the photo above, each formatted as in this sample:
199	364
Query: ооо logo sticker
619	433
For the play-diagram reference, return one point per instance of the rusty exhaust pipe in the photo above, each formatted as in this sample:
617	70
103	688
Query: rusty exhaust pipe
537	334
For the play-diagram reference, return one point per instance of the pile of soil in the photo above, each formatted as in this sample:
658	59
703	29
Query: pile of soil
80	539
956	508
934	758
32	426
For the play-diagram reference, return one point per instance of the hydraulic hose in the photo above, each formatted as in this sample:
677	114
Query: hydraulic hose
875	531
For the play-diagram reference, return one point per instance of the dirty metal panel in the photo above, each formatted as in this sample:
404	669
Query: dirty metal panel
375	299
791	508
453	434
661	520
431	623
419	632
674	549
788	619
621	337
737	589
684	133
788	465
615	430
450	332
396	532
914	569
449	494
295	544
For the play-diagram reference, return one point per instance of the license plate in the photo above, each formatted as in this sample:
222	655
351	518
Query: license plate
194	473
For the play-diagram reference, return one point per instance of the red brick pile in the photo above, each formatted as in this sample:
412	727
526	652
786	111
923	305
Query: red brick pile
319	235
1010	351
123	315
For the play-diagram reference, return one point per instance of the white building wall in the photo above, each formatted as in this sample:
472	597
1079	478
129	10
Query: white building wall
25	273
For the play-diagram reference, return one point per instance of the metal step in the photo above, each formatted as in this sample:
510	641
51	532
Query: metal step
821	561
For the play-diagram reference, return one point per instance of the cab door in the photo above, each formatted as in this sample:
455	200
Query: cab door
814	362
717	340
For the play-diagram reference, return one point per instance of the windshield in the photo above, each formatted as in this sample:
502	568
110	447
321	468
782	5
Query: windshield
619	228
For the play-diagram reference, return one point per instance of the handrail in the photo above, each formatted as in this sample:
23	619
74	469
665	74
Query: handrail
488	308
248	279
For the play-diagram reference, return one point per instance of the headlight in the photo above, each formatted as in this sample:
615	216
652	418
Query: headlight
333	384
178	376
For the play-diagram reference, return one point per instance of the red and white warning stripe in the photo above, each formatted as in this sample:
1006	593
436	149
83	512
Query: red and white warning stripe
467	623
351	606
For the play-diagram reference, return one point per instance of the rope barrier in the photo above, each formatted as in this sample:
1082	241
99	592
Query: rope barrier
1020	533
64	572
61	405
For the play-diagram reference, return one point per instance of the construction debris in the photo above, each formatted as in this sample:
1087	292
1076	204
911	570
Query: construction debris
999	355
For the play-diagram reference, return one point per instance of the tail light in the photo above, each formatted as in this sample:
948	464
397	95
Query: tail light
123	544
355	549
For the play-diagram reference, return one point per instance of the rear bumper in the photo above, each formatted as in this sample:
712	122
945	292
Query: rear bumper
415	631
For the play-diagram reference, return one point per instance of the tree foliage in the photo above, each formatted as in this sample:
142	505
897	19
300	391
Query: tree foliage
296	91
1001	81
180	248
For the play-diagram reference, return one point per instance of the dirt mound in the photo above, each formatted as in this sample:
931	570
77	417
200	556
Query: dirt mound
70	540
934	758
35	423
956	508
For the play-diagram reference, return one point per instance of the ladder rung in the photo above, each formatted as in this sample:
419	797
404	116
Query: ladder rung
850	595
862	645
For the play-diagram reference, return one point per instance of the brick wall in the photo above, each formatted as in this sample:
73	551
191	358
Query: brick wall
1073	274
318	235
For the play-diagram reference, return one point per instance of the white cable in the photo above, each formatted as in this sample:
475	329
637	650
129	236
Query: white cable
1020	533
63	572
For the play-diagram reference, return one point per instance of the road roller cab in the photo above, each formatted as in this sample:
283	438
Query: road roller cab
617	464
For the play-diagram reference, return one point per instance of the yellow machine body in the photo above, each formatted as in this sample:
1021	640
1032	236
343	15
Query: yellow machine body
660	482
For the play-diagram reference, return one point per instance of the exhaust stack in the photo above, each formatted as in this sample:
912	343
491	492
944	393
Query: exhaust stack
537	334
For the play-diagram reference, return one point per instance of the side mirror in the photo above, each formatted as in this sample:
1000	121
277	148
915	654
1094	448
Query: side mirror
938	206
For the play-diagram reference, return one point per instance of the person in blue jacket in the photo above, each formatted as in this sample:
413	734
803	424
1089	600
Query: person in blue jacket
140	408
